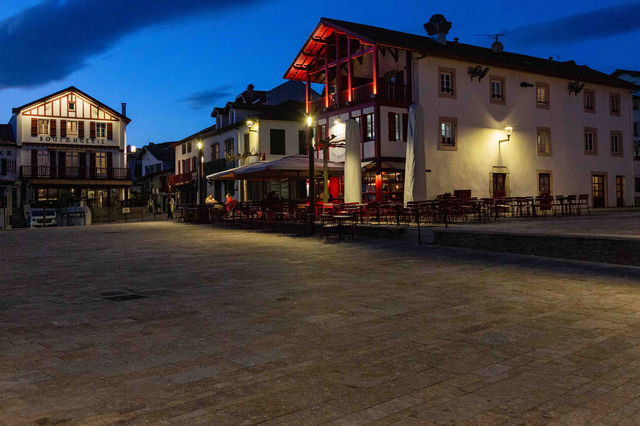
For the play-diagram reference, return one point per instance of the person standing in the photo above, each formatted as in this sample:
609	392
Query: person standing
170	206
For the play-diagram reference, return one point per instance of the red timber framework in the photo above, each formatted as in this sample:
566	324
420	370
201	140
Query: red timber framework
358	72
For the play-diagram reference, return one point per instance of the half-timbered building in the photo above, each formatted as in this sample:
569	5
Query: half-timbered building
70	146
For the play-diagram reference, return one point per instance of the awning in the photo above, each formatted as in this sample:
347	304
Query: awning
294	166
75	183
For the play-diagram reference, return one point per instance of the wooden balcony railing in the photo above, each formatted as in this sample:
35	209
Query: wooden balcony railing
182	179
387	92
46	172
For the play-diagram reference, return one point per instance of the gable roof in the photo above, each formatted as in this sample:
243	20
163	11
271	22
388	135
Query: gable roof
453	50
162	151
619	72
73	89
6	134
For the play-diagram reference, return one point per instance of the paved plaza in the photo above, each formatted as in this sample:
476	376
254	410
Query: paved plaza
171	324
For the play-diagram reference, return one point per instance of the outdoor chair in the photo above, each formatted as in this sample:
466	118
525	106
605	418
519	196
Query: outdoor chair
583	200
328	227
545	204
572	200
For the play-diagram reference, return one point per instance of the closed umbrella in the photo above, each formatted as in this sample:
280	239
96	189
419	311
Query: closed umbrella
415	177
352	164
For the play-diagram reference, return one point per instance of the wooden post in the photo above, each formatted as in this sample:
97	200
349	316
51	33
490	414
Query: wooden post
337	70
375	69
325	160
326	75
308	92
349	71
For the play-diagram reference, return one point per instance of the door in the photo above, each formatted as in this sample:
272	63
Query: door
597	184
620	191
499	185
544	184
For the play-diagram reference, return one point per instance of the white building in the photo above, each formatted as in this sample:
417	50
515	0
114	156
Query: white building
634	77
572	126
155	163
70	146
257	125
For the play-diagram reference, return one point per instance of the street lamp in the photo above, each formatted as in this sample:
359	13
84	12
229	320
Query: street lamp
199	172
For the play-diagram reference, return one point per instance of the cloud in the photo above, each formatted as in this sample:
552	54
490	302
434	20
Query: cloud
206	98
600	23
52	39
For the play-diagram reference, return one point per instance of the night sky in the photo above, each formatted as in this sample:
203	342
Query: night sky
173	61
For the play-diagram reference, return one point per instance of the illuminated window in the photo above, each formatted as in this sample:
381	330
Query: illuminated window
370	127
101	164
447	134
43	127
101	130
72	128
71	159
543	141
542	95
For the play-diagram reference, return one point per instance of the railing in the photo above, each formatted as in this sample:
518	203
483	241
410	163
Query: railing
46	172
218	165
182	179
387	92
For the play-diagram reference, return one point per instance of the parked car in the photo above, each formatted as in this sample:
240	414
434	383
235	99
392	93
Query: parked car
36	217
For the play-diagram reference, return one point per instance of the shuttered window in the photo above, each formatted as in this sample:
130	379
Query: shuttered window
92	129
63	128
81	129
109	130
52	128
34	127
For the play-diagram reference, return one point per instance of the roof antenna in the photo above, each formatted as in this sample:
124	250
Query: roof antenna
497	47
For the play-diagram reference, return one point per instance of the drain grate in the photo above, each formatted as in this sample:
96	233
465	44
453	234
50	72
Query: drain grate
125	297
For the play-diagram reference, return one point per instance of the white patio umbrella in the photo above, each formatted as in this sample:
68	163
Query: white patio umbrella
415	176
352	164
294	166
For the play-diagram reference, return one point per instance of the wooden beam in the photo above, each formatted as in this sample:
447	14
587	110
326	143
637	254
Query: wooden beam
383	51
308	92
326	78
344	59
394	54
337	69
349	70
375	72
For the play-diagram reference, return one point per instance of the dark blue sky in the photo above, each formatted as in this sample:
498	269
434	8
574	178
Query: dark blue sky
172	62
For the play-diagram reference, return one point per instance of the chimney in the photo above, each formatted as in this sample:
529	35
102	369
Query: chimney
439	26
124	109
250	87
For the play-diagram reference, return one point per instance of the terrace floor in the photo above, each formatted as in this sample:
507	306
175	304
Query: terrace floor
240	328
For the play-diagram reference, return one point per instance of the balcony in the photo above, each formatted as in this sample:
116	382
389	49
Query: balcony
46	172
218	165
182	179
387	92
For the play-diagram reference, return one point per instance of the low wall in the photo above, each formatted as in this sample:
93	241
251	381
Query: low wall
602	249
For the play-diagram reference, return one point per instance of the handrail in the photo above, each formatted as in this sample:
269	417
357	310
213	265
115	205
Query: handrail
48	172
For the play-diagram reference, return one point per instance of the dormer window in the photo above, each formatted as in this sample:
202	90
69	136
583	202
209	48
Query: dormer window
72	106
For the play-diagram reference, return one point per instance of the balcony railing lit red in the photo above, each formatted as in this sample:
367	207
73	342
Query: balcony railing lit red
387	92
46	172
182	179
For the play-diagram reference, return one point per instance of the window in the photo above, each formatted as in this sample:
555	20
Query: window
43	158
447	134
614	104
71	159
188	147
72	106
72	128
497	86
101	130
544	141
616	144
229	148
369	127
184	148
447	82
215	151
394	126
542	95
590	141
277	141
589	101
43	127
544	184
247	144
101	164
302	142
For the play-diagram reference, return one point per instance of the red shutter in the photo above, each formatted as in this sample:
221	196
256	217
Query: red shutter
81	129
92	129
34	127
52	127
34	162
110	165
82	163
179	168
392	126
63	128
109	130
405	127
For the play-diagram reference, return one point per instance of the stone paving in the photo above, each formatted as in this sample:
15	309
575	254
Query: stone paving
243	328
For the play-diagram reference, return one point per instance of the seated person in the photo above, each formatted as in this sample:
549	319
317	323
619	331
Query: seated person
210	200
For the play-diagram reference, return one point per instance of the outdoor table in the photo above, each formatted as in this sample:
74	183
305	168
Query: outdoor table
477	208
340	218
533	206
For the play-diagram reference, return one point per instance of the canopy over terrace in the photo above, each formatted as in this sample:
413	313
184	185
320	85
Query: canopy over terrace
292	167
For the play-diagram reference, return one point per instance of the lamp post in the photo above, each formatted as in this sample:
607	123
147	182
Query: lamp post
199	172
312	172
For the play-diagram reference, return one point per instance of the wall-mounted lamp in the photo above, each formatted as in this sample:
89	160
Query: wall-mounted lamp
249	124
199	145
202	159
508	131
309	121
